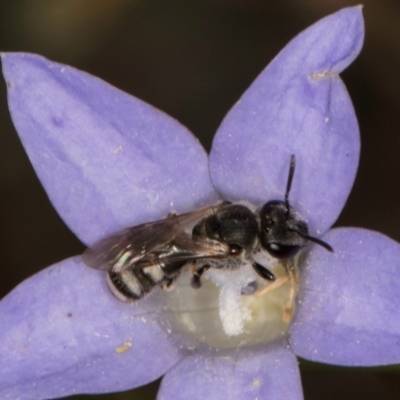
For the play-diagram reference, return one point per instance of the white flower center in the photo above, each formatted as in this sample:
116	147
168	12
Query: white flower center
230	308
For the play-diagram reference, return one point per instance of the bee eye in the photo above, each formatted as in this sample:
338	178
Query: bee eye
282	251
235	250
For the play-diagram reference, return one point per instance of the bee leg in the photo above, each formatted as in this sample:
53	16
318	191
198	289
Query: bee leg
263	272
171	273
167	283
196	278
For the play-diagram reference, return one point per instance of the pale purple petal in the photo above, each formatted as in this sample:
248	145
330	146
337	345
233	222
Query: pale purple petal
244	374
298	105
62	332
349	303
106	159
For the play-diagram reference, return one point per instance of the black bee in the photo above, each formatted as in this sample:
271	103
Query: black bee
153	254
223	236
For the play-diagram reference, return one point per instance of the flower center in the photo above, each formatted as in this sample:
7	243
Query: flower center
231	308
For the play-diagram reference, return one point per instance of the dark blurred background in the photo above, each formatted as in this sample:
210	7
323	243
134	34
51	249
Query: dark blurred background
193	59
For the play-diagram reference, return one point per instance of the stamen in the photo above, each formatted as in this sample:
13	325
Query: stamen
274	285
290	305
292	278
231	310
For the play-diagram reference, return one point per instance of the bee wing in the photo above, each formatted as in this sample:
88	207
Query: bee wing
186	248
125	248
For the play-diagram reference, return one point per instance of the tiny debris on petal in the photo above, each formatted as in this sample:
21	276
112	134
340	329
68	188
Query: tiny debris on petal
123	348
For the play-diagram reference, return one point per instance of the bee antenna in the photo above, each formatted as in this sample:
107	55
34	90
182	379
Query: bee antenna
314	240
289	183
320	242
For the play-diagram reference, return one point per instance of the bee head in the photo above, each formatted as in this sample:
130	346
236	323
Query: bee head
283	231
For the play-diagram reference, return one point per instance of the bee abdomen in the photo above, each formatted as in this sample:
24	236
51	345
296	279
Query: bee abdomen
134	283
130	285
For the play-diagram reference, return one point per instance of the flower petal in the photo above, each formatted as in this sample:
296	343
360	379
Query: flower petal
258	373
298	105
62	333
349	303
106	159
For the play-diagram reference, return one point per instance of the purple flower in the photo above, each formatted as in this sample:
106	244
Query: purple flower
108	161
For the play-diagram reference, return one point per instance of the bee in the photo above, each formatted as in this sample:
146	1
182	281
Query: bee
153	254
223	236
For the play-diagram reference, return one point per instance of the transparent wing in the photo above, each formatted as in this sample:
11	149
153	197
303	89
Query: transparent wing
159	241
186	248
